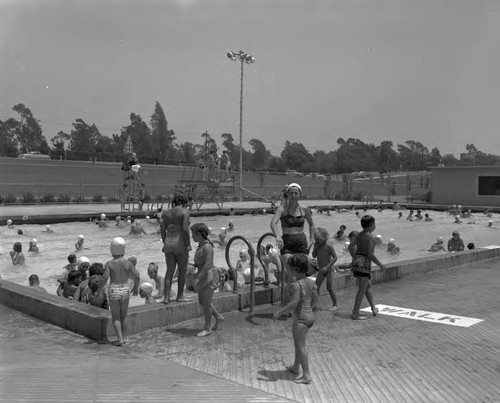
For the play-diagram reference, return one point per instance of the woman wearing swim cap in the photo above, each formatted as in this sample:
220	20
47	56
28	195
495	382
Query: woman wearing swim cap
292	217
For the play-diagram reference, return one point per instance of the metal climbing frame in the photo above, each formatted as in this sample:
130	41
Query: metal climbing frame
202	191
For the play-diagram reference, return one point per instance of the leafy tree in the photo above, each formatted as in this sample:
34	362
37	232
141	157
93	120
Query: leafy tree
414	155
388	158
296	156
434	157
188	154
141	138
83	140
29	132
260	154
8	142
449	160
162	138
58	143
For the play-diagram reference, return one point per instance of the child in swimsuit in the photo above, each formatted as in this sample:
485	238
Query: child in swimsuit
17	255
159	280
325	253
145	291
362	251
303	300
119	270
207	277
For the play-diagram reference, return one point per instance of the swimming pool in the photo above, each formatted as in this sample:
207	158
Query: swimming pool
413	237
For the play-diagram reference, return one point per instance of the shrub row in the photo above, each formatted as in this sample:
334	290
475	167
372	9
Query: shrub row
49	198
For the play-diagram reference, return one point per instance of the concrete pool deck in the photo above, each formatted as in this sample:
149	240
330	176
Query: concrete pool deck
383	359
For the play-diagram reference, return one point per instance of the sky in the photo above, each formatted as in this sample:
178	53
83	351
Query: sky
398	70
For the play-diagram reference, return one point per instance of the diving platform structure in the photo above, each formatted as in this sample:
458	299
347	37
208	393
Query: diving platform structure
200	188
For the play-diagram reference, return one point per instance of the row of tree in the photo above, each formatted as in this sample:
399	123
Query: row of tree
155	143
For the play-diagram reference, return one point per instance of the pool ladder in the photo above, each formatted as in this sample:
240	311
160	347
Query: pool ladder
252	254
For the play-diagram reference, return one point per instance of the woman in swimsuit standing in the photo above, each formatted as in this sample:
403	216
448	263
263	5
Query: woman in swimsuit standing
292	217
174	230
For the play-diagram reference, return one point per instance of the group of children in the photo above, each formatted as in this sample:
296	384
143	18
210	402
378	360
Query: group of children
304	289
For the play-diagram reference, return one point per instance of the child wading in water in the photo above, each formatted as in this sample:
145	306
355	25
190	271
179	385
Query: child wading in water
325	253
119	270
362	251
303	300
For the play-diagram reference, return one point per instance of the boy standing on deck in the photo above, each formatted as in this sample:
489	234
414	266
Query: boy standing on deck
362	251
119	270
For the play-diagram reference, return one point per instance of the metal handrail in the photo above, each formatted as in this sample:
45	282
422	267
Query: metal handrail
251	252
281	273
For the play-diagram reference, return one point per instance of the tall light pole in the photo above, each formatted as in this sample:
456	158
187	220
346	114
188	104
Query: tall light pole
243	58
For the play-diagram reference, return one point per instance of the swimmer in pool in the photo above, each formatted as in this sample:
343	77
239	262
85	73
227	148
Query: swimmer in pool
48	229
455	244
392	248
146	291
17	255
79	242
119	270
10	225
137	228
102	223
438	245
33	246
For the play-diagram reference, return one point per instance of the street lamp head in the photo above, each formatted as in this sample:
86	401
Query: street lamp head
231	55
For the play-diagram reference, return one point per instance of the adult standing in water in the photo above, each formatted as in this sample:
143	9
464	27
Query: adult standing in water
174	230
292	217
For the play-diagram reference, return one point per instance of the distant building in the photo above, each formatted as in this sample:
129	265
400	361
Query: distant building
468	186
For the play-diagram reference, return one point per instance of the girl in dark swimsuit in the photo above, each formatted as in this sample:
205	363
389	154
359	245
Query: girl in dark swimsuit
303	299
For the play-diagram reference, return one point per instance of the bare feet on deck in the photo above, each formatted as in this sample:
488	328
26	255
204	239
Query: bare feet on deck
375	311
304	381
354	317
293	370
218	323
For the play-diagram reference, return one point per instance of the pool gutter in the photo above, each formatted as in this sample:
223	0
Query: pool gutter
95	323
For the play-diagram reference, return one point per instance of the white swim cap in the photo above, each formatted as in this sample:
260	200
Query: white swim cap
293	185
9	222
117	247
147	217
34	240
146	287
392	241
83	259
47	226
378	236
81	237
440	239
103	216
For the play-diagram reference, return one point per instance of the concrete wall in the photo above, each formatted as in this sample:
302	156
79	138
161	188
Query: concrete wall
459	185
96	324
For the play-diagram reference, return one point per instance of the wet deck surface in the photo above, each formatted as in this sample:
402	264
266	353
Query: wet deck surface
383	359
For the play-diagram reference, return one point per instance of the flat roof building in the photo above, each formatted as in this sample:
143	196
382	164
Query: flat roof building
470	186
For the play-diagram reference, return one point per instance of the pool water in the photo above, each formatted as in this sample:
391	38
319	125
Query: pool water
413	237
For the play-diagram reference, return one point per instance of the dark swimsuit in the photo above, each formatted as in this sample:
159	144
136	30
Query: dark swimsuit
294	243
303	312
361	264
